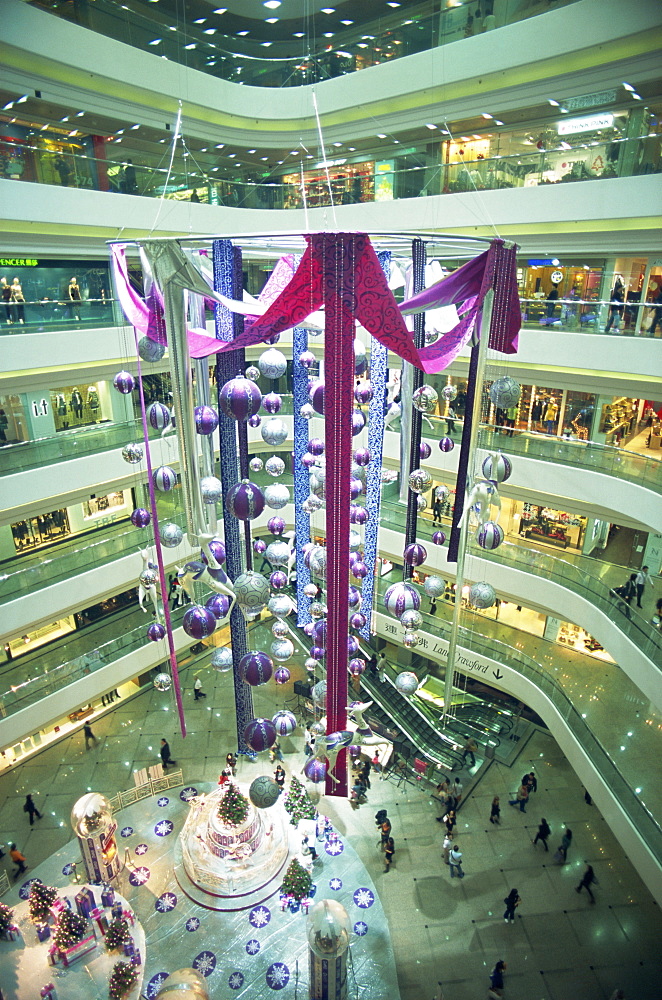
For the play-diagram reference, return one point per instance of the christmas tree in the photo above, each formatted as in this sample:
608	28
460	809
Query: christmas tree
6	917
233	807
122	981
117	934
297	881
41	899
69	930
298	803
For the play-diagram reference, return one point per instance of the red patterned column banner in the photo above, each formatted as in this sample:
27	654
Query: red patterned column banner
338	266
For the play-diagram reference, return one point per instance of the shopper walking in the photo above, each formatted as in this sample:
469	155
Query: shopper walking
640	581
455	862
89	735
385	831
542	834
521	798
456	792
30	807
18	859
166	759
389	851
512	901
588	879
469	750
561	855
197	690
279	776
495	811
446	849
496	979
450	819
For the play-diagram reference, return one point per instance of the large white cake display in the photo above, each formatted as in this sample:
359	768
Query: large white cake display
231	866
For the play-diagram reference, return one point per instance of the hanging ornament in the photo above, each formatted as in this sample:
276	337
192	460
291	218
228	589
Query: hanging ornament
438	538
272	402
317	610
317	561
274	466
245	500
163	682
419	481
497	467
319	693
276	496
256	464
352	645
278	553
311	665
357	620
424	450
140	517
446	444
316	447
148	578
449	393
489	535
410	640
206	420
441	493
354	597
279	629
307	359
278	579
425	399
132	453
482	595
221	660
358	515
263	792
255	668
240	398
316	396
211	489
406	682
164	478
260	734
284	721
307	411
156	631
358	422
357	667
252	591
411	619
400	597
259	546
158	415
415	554
363	393
505	392
253	373
124	382
434	586
311	590
198	622
219	605
421	503
149	350
274	432
361	456
315	770
217	549
280	605
282	649
317	652
355	488
255	420
272	364
171	535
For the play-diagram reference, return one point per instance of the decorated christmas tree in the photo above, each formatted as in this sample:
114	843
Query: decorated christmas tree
233	807
6	917
41	899
298	803
122	981
117	934
69	930
297	881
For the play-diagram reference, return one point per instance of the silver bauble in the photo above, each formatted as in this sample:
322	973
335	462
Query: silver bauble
505	392
273	431
221	659
419	481
318	560
307	411
263	792
163	682
311	664
274	466
171	535
482	595
277	553
149	350
410	639
276	496
319	694
280	605
317	610
282	649
149	578
133	453
425	399
434	586
256	464
314	503
211	489
252	591
310	590
272	364
279	629
253	373
421	503
449	393
354	540
406	682
411	619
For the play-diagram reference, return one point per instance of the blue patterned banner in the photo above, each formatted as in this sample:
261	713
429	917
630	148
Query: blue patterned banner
227	271
378	367
301	475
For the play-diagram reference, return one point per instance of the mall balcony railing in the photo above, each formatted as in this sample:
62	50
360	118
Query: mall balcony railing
415	28
577	576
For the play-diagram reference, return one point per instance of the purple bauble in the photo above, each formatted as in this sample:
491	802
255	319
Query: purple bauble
219	605
354	598
284	721
307	460
245	500
159	416
282	675
317	397
239	398
352	645
439	538
357	667
260	734
272	402
278	579
319	632
489	535
308	629
446	444
315	770
259	546
198	622
206	419
317	653
424	450
217	549
307	359
256	668
358	422
124	382
357	620
361	456
400	597
255	420
140	517
363	393
355	488
276	525
316	447
360	570
415	554
358	515
156	631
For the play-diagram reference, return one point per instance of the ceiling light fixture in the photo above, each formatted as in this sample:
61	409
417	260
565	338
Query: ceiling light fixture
328	10
628	86
271	20
209	31
380	135
347	22
80	114
497	122
554	104
221	145
242	33
155	41
298	34
191	45
486	116
200	20
250	150
221	10
272	4
432	127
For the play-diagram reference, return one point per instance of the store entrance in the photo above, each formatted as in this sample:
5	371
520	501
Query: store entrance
625	546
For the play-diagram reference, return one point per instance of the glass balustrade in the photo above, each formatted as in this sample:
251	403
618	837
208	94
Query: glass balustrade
204	45
48	315
67	445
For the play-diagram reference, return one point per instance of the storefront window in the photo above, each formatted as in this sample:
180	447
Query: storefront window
351	183
48	296
79	406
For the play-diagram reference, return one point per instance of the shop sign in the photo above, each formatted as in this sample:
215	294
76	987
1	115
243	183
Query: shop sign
18	262
591	124
590	100
330	163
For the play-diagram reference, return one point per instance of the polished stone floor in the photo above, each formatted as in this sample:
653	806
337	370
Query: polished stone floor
559	948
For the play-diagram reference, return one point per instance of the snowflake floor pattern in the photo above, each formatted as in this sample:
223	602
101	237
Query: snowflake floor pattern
253	953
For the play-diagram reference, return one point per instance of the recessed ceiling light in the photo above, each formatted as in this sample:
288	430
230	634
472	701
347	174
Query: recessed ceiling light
221	145
297	34
155	41
200	20
294	152
628	86
120	131
191	45
337	144
328	34
272	4
65	119
497	122
204	149
362	45
486	116
380	135
271	20
250	150
171	27
80	114
75	132
264	158
22	99
393	4
430	126
555	104
352	149
231	156
214	168
134	127
347	22
209	31
266	45
242	33
637	97
328	10
464	138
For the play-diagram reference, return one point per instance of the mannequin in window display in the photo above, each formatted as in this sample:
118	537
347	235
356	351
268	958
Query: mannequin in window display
18	299
5	290
93	400
61	409
77	403
536	413
73	292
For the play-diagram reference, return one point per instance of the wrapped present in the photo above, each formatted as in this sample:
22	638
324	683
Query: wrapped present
116	911
107	895
57	907
294	905
48	992
305	903
43	932
129	948
129	916
85	902
53	955
312	890
78	950
12	932
285	899
136	959
100	920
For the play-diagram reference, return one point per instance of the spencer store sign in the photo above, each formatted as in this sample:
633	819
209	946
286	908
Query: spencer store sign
18	262
590	124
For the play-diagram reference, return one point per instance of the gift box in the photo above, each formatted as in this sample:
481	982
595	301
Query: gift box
128	915
107	895
285	900
100	920
85	902
129	948
48	992
136	959
117	911
12	933
57	906
312	890
305	903
43	932
294	905
77	951
53	955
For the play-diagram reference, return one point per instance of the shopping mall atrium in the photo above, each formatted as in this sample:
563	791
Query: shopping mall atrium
174	175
